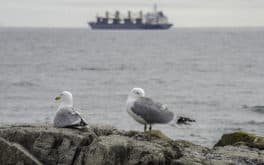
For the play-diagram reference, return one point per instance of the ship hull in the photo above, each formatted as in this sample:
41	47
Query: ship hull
129	26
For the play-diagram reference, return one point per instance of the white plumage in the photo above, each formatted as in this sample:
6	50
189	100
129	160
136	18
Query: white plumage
145	111
66	116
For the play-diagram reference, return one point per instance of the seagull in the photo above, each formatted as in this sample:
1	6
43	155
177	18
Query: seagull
145	111
66	116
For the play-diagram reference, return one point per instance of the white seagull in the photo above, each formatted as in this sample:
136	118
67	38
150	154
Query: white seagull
66	116
145	111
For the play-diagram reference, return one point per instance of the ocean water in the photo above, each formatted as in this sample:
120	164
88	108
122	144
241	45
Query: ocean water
209	74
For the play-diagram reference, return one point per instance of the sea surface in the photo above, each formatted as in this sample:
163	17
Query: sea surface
210	74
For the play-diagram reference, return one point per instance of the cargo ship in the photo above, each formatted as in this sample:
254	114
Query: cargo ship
150	20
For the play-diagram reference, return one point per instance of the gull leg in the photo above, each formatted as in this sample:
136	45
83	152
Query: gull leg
150	127
145	127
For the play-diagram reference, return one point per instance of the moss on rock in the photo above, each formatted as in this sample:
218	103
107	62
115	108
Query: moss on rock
241	137
232	138
158	134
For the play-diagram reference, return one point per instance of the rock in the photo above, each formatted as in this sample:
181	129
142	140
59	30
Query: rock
115	149
15	154
191	154
238	138
105	145
49	145
104	130
242	155
239	148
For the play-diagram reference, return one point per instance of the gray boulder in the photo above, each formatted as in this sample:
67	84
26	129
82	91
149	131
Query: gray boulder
49	145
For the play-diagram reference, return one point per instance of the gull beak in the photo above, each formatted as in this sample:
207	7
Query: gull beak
57	98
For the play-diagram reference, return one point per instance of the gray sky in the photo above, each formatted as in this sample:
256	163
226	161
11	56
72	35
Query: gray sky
183	13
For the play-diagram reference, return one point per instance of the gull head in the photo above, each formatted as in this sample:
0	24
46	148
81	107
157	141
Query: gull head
137	92
66	98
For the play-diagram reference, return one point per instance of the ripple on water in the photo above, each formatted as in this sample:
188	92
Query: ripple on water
24	83
257	108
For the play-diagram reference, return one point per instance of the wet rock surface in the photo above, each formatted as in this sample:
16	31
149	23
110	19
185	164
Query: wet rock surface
43	144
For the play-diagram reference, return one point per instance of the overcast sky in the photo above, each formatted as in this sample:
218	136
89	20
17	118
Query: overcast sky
183	13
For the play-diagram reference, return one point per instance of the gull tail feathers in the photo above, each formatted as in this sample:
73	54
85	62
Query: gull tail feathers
173	122
181	120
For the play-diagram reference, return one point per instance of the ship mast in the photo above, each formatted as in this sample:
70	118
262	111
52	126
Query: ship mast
155	8
155	13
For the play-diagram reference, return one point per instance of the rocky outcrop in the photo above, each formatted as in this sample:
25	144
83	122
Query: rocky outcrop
105	145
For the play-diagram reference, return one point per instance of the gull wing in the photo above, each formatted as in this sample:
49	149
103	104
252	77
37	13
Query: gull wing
152	112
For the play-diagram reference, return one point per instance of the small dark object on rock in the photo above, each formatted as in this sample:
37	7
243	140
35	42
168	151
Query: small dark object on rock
185	120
